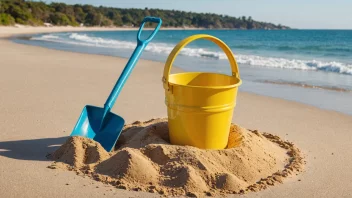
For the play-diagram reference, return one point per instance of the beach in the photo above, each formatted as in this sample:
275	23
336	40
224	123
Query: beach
22	29
43	92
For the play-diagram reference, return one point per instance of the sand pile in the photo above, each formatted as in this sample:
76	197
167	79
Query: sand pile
144	160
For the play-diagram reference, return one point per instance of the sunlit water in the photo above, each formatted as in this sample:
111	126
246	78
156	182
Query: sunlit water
269	60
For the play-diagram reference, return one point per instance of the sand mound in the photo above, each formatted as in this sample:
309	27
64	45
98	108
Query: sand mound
144	160
79	151
129	165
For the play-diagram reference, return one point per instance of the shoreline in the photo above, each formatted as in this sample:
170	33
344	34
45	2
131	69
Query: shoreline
306	86
44	91
25	30
72	29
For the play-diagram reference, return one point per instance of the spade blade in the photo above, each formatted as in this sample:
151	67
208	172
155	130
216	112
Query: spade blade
88	125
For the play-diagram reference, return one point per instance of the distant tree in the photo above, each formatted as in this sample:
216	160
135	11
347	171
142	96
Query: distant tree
40	11
127	19
94	19
60	19
20	15
6	19
2	9
35	13
80	15
106	22
146	12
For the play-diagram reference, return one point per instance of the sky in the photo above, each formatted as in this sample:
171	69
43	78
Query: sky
302	14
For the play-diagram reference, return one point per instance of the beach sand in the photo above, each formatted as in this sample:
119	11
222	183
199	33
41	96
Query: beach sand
252	161
43	92
22	29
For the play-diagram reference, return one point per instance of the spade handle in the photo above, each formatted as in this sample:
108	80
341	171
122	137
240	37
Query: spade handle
141	44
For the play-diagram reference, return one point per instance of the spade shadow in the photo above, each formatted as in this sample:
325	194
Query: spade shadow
34	149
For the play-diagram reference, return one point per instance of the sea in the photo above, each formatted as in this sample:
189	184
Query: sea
308	66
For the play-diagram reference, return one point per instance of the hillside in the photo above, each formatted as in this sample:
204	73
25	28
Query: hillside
60	14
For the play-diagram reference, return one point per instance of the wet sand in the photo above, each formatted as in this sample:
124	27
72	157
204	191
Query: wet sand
338	89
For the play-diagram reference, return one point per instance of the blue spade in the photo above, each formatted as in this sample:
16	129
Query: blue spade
99	123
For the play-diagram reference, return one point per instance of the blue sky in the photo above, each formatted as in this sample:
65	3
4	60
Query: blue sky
304	14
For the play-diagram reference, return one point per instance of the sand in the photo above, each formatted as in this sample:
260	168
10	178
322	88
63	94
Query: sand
144	160
307	86
7	31
43	91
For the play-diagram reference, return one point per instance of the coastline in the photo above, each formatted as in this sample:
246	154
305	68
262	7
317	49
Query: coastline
44	91
307	86
9	31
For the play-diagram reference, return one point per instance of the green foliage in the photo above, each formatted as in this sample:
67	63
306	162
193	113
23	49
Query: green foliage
40	11
59	18
80	15
37	13
21	15
6	19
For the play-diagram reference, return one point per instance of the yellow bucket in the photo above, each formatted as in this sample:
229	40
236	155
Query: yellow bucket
200	105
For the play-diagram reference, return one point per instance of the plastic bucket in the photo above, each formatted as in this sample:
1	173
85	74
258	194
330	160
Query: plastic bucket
200	105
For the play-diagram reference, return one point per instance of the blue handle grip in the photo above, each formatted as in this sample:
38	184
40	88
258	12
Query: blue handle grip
149	19
131	63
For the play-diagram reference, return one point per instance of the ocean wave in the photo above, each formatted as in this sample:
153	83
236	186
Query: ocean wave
164	48
101	41
283	63
49	36
159	48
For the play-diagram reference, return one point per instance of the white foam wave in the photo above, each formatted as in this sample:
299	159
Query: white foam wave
101	42
49	36
332	66
57	39
163	48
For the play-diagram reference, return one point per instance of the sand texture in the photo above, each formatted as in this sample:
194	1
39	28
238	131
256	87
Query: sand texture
43	92
144	160
8	31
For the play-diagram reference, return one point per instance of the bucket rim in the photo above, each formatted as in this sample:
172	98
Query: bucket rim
207	87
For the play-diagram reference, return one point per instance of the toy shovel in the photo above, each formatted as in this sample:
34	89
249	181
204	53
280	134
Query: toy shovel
99	123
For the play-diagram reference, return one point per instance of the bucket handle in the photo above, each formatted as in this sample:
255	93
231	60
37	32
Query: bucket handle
186	41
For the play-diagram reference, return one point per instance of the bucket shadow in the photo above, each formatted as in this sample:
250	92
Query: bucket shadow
35	149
